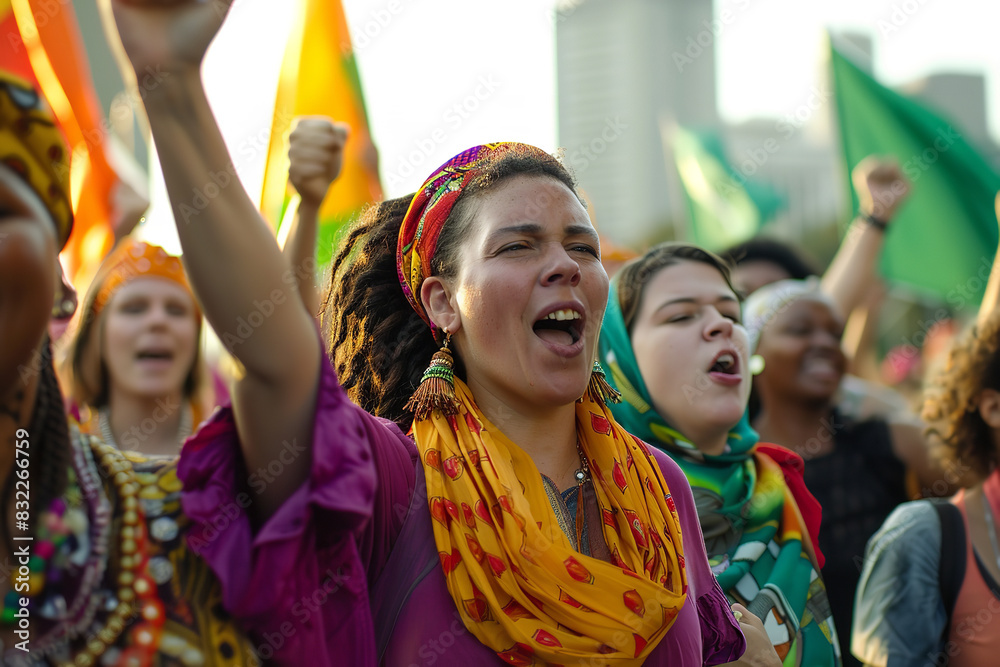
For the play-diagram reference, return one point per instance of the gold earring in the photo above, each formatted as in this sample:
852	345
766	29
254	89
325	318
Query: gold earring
437	386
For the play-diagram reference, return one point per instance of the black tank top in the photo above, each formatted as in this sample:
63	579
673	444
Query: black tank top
858	485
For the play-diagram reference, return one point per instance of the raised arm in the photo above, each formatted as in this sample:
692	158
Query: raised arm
316	155
244	285
881	188
991	298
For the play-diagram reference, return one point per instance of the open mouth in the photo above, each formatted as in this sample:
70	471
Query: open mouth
561	327
155	355
822	366
726	363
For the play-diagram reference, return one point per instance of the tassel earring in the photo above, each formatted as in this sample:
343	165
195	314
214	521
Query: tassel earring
437	386
599	390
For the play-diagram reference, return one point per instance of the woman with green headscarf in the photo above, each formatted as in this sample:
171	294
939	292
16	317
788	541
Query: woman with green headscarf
673	345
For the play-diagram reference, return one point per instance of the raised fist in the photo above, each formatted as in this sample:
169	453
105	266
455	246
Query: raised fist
881	186
316	155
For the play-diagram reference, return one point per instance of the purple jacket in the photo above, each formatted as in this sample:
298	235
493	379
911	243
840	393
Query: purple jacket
308	584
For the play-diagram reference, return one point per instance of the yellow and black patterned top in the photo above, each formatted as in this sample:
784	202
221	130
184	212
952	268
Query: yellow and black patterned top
123	586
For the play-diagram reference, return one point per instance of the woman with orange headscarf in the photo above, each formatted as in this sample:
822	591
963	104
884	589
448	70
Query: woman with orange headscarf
103	571
134	367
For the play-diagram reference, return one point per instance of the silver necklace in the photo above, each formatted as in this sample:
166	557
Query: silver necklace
104	421
991	528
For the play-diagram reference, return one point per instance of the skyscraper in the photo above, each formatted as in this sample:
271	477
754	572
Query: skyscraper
625	67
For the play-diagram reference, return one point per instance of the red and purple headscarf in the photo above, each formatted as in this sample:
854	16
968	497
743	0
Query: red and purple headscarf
430	208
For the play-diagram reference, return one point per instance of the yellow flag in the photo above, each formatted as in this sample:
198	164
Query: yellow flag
319	76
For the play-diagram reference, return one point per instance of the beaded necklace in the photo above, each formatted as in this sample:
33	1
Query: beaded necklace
136	602
104	423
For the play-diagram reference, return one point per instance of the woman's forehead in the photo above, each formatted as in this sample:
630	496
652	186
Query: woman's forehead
531	197
810	307
151	287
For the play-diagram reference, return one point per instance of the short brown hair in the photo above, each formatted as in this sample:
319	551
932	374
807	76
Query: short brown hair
634	276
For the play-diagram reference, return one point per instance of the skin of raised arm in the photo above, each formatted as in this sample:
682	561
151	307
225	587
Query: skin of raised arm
881	188
236	269
316	156
991	298
861	333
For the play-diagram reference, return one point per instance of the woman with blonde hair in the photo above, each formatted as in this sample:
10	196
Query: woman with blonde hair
134	367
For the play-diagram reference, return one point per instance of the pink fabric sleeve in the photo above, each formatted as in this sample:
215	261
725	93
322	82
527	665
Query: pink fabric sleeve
299	583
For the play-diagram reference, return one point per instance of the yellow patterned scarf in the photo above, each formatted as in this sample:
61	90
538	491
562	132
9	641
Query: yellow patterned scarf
517	582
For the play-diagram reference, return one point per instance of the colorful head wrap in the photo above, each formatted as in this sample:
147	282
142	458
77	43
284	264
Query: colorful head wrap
31	145
759	523
135	259
766	303
430	208
519	584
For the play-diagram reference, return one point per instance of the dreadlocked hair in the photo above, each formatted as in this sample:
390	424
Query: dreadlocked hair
951	399
377	343
51	454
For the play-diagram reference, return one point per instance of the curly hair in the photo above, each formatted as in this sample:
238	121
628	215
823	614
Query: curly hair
951	399
634	276
377	343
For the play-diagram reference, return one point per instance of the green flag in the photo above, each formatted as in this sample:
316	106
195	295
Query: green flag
944	236
720	211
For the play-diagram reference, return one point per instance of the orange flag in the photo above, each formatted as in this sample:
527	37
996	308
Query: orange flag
319	76
43	44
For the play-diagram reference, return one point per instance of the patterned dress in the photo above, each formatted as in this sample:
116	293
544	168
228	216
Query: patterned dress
176	609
